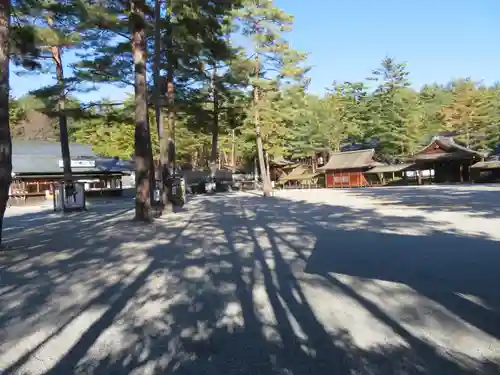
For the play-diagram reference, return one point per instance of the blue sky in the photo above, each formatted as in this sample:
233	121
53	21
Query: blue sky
439	40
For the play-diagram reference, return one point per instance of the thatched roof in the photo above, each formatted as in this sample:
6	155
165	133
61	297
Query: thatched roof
350	160
300	172
300	169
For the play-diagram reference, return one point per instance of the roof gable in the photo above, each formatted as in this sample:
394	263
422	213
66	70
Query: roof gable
441	147
350	159
299	170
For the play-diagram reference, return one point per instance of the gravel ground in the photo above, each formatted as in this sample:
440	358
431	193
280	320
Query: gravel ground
370	281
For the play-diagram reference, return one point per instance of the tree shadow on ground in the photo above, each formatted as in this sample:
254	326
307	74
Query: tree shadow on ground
249	285
439	198
61	266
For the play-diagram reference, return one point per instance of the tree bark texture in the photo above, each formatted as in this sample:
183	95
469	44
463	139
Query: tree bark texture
63	120
170	136
5	140
268	167
143	160
266	182
233	157
158	103
215	124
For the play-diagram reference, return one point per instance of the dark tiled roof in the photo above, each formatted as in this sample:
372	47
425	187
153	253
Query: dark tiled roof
35	164
454	150
350	159
43	157
50	165
449	144
42	148
32	157
113	165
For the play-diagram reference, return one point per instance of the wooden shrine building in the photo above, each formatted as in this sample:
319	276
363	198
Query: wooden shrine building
280	167
37	165
444	160
302	176
346	169
486	171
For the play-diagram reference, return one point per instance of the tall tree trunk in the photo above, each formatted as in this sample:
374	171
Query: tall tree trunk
5	141
233	157
215	124
467	136
157	103
143	161
63	119
268	167
266	182
170	96
255	172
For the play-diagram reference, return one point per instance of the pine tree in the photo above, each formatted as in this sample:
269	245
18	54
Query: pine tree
56	29
467	115
275	65
390	109
492	124
144	173
432	100
5	141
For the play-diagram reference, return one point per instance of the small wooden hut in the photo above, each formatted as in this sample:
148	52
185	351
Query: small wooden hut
389	174
300	177
486	171
279	167
445	160
346	169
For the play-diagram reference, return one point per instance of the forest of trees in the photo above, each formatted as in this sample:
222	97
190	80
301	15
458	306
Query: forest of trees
295	124
201	72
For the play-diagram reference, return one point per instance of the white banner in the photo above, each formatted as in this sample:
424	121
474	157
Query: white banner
79	163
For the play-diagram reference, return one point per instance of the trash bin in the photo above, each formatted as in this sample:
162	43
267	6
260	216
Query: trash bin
69	197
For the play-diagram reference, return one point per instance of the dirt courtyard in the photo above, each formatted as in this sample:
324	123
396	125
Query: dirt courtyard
357	281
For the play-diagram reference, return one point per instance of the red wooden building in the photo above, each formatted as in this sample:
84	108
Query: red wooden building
346	169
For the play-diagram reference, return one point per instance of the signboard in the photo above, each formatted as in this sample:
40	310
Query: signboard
69	197
79	164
